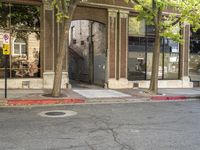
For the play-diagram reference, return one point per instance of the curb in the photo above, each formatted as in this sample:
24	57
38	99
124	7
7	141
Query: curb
172	98
11	102
43	102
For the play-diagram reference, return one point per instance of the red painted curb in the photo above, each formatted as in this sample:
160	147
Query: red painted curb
44	101
168	98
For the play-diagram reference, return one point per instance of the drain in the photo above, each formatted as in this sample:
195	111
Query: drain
57	113
54	113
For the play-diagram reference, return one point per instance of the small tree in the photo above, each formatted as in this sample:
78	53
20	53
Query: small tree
152	11
64	12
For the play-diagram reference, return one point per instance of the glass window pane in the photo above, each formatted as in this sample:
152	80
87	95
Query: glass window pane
171	59
17	49
1	55
150	47
136	58
25	17
4	15
136	28
27	64
150	29
194	63
2	64
1	73
23	49
25	38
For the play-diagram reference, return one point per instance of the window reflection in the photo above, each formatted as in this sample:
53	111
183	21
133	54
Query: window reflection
25	17
19	47
194	63
150	47
171	59
139	27
25	56
141	45
4	15
136	58
24	61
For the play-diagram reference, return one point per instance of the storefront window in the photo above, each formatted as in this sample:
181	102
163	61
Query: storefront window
25	17
136	58
136	28
4	15
171	59
141	44
194	63
150	46
24	29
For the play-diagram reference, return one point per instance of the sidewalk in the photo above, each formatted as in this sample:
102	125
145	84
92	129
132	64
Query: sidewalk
28	97
37	97
167	93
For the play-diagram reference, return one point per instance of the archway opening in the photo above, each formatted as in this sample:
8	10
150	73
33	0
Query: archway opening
87	53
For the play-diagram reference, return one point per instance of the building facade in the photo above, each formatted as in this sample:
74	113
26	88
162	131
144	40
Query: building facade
108	47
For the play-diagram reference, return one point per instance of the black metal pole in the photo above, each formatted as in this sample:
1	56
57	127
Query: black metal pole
5	71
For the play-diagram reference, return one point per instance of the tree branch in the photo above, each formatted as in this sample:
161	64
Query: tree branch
59	5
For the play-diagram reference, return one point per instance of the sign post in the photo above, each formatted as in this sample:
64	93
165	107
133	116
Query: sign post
6	53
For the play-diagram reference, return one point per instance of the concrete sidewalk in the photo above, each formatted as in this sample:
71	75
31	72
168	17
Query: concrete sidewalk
69	96
167	93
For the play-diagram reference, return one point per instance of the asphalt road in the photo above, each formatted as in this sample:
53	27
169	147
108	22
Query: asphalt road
138	126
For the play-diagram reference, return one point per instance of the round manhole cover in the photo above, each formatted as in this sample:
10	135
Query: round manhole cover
57	113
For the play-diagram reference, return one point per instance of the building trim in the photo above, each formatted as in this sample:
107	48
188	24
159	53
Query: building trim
92	4
123	15
112	14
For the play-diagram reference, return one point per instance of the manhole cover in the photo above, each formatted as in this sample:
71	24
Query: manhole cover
57	113
54	113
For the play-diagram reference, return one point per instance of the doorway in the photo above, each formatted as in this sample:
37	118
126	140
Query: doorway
87	53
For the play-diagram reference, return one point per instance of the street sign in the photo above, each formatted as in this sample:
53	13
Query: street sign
6	44
6	49
6	38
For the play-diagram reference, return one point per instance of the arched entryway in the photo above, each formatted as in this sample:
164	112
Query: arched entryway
87	52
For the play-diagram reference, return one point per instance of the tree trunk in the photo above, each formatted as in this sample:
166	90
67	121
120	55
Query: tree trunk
63	45
155	65
153	88
67	8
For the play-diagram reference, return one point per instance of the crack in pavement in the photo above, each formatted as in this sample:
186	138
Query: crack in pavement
90	146
124	146
108	129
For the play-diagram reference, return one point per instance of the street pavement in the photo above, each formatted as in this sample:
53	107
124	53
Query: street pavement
135	126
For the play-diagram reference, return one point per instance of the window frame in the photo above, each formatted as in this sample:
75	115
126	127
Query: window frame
20	44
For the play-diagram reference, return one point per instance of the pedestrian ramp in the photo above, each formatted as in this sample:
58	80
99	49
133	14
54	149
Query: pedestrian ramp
100	93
